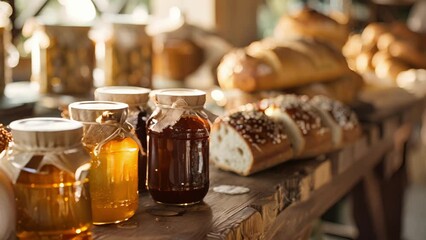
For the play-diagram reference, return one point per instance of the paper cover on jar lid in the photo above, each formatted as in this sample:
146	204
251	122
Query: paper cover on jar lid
178	101
56	140
124	94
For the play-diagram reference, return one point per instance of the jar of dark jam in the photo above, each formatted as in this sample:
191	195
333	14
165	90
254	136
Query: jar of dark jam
139	111
178	147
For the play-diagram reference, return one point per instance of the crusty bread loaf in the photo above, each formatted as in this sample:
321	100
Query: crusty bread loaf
248	141
344	89
340	118
309	23
308	133
263	134
269	65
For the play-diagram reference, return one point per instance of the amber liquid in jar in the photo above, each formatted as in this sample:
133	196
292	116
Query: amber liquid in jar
52	205
114	181
178	161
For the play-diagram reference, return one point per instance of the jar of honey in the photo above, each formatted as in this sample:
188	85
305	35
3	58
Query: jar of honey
49	167
139	111
178	147
114	151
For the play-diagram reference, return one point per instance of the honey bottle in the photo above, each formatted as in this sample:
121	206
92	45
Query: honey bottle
178	147
114	151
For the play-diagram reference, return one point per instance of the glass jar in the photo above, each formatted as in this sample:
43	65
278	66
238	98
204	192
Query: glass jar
178	147
63	59
137	99
114	151
123	51
49	166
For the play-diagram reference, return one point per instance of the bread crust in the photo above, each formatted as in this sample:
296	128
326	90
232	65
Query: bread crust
269	65
309	23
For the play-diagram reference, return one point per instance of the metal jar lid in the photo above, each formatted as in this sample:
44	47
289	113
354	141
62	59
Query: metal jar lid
169	97
46	133
97	111
130	95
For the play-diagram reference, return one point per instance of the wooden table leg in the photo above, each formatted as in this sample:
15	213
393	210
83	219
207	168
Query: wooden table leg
368	209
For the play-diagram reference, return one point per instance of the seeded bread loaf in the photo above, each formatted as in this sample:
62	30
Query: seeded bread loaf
308	133
263	134
340	118
248	141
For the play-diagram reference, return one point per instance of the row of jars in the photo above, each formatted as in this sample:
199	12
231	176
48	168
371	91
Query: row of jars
68	174
71	59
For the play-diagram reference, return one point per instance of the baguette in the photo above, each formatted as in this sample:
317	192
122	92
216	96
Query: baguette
248	141
269	65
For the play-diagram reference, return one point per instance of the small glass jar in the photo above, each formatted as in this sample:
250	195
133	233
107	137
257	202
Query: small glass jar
137	99
178	147
114	151
49	166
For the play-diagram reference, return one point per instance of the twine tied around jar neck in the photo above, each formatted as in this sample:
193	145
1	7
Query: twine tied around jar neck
73	159
171	114
107	127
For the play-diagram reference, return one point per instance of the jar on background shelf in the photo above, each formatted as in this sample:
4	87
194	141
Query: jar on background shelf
123	52
48	166
139	111
178	147
62	59
114	150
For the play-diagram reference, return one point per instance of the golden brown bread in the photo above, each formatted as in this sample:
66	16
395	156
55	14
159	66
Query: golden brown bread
344	89
307	131
269	65
387	49
309	23
248	141
266	133
345	118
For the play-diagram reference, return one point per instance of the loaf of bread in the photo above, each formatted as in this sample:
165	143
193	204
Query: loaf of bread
383	51
344	89
269	65
309	23
248	141
263	134
307	131
341	119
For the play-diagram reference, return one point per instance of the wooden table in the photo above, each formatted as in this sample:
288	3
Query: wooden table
285	200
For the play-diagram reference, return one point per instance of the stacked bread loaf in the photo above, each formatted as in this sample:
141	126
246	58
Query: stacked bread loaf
270	64
305	50
309	23
258	136
386	49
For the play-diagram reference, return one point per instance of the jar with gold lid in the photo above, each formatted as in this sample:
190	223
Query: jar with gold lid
114	150
139	111
48	166
178	147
